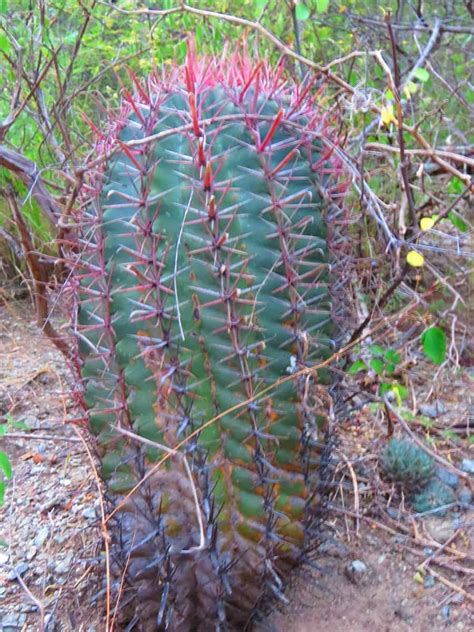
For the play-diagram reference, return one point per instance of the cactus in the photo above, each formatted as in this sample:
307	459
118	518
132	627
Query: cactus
203	300
432	497
407	465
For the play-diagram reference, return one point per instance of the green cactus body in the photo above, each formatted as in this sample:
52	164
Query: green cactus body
406	464
205	281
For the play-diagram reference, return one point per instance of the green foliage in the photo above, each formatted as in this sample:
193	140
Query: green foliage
384	363
6	474
434	495
405	464
434	344
458	222
301	11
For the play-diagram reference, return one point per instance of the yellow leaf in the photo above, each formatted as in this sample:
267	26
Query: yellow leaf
410	89
415	260
396	391
426	223
387	115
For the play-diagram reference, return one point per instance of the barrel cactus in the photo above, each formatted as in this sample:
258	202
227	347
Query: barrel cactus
204	297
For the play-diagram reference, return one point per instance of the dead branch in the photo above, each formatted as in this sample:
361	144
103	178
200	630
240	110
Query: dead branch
38	276
27	171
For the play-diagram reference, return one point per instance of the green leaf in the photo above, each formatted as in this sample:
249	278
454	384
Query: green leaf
384	388
301	12
458	222
421	74
5	465
322	6
378	365
2	492
434	344
3	430
455	186
392	356
358	365
376	350
4	43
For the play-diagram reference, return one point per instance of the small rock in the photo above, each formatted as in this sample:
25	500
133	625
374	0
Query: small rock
440	530
20	569
63	566
37	468
356	571
51	503
393	513
445	612
89	513
358	566
433	410
457	598
404	613
4	557
429	581
13	621
465	497
31	421
333	548
41	537
10	620
381	558
31	553
468	466
447	477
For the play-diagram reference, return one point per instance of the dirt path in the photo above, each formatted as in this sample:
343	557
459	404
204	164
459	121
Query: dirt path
49	532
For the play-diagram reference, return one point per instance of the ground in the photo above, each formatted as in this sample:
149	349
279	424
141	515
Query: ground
368	574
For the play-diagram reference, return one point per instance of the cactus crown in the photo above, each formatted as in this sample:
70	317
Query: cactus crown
407	465
203	284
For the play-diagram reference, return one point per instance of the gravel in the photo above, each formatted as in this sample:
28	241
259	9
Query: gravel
433	410
447	477
468	466
20	569
41	537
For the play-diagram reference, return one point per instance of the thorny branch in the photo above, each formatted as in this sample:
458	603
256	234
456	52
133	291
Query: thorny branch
404	162
38	275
